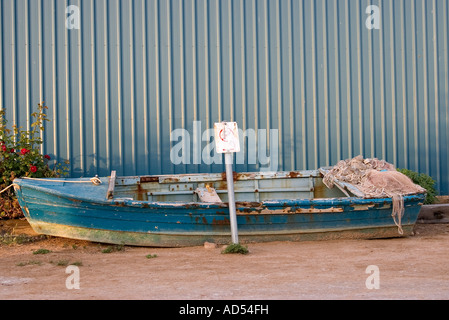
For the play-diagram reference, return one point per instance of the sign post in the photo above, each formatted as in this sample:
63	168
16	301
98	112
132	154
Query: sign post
227	142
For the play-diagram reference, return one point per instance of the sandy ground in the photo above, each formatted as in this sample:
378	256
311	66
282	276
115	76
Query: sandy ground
415	267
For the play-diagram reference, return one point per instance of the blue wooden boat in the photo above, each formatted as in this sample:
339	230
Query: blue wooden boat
189	209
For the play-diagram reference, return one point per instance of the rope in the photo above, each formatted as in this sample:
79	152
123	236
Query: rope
94	180
398	211
6	188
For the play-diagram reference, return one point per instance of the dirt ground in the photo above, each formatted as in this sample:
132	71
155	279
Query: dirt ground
416	267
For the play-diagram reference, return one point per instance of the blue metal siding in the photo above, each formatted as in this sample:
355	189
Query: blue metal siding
138	69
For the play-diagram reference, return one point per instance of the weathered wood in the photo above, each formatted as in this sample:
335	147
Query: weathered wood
110	194
238	176
207	194
434	213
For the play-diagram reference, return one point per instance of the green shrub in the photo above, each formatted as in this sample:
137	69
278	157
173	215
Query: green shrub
114	248
41	251
235	248
424	181
20	156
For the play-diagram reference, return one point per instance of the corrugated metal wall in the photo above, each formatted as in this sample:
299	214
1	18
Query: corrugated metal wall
137	70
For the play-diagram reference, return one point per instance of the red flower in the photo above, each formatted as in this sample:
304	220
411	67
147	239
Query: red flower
12	150
3	147
33	169
24	151
47	157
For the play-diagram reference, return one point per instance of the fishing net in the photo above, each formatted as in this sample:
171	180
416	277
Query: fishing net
375	179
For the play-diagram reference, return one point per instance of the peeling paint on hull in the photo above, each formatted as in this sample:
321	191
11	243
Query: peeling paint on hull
68	210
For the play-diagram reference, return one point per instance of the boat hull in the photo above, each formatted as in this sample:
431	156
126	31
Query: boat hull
188	239
165	224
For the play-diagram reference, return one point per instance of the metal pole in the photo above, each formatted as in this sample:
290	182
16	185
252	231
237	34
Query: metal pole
231	199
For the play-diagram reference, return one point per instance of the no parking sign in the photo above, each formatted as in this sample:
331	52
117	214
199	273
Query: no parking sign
227	142
226	137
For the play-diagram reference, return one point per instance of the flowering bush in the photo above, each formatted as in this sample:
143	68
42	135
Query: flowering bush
20	156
